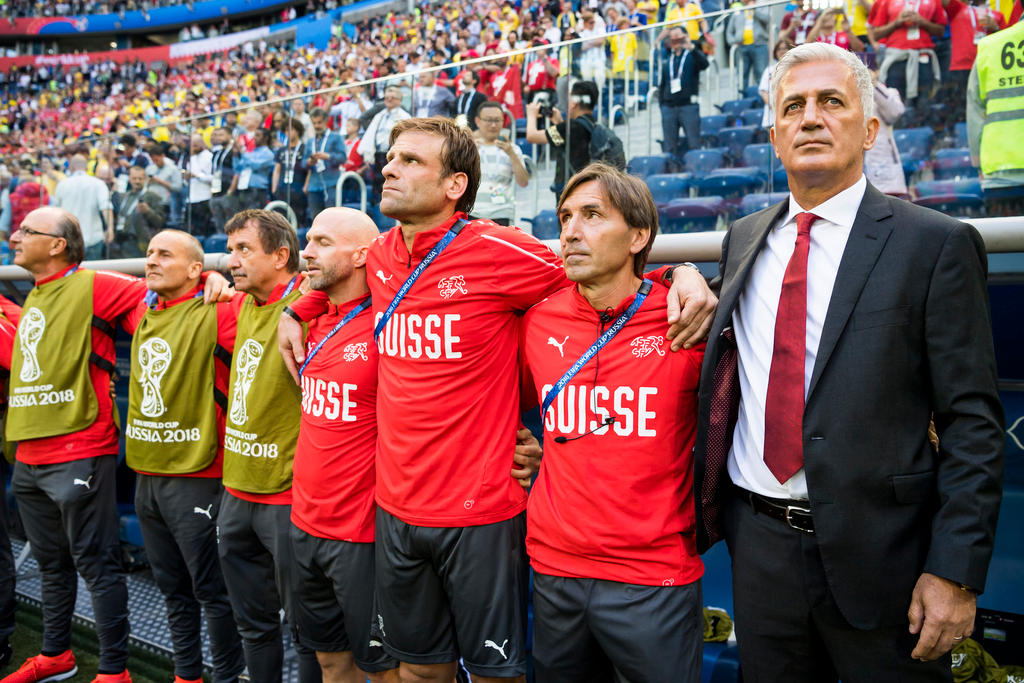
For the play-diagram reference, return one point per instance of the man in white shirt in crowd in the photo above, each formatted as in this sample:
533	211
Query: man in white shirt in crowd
199	175
502	167
88	199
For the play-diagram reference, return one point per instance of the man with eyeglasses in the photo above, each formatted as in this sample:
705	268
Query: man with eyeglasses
502	167
61	415
617	575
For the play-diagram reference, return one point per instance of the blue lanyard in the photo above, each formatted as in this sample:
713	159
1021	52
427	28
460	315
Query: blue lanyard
152	298
290	287
407	285
645	289
74	269
341	323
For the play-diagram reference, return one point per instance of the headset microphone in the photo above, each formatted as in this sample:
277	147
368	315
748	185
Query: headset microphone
567	439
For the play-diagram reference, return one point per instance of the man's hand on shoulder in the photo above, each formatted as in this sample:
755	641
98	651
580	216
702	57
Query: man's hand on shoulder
289	343
691	308
217	289
527	455
942	614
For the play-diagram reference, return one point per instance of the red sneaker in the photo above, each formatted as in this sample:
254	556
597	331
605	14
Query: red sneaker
122	677
41	668
179	679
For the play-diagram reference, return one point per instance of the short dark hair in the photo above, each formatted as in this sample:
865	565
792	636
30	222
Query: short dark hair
128	140
256	136
274	229
458	153
68	228
489	104
156	148
588	91
628	194
298	127
474	75
318	113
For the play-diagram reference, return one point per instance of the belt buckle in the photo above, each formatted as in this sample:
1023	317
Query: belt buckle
790	509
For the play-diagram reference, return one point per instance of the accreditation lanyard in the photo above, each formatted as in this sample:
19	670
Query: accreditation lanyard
290	287
334	330
152	298
645	289
72	271
411	280
677	72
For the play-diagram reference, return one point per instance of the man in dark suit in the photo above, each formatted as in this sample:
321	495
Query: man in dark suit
680	82
431	99
469	100
847	319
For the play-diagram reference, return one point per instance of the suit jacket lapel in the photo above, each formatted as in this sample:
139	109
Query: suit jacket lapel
867	238
735	285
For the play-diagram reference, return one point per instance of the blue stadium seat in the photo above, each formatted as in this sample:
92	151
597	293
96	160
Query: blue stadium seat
690	215
130	532
752	92
752	117
525	147
668	186
643	166
710	125
751	171
729	186
916	142
520	128
761	200
759	156
953	163
911	165
702	161
736	139
216	244
933	188
958	205
960	135
735	107
779	180
545	225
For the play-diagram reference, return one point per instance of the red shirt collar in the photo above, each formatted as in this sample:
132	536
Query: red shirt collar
161	305
424	241
57	276
277	293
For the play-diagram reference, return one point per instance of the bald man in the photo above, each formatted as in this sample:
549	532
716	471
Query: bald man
88	199
174	434
333	508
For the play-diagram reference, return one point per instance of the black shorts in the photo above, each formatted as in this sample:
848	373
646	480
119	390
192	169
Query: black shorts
450	592
334	598
586	630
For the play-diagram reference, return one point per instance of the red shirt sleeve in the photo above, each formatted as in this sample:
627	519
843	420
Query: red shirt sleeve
227	321
953	8
11	310
879	15
115	295
529	272
938	14
311	305
7	334
134	317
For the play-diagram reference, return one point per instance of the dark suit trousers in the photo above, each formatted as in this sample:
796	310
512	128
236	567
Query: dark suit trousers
788	627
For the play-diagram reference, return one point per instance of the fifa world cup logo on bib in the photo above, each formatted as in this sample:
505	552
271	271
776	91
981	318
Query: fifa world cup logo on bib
30	331
154	359
246	364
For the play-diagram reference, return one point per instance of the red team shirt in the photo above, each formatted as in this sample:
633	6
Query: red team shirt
8	333
227	324
113	296
885	11
617	504
333	472
964	23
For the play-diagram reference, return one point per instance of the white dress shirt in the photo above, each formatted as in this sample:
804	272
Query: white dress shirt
754	325
86	198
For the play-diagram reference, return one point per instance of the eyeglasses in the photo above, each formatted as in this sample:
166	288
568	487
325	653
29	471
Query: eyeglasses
495	121
30	231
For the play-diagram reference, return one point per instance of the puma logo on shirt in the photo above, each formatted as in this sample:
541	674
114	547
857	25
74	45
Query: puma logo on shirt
559	345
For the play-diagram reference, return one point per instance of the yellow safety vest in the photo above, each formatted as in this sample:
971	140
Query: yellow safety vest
1000	65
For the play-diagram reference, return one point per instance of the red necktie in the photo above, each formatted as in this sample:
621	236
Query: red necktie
784	405
725	401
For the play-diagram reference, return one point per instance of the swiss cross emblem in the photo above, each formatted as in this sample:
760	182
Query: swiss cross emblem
354	351
645	346
450	286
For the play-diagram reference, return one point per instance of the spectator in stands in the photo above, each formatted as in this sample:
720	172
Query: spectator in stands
49	175
623	49
968	24
140	214
130	154
287	183
541	76
882	165
298	110
165	177
748	29
223	202
833	26
27	195
798	22
253	172
199	176
430	99
581	122
469	100
5	203
323	158
782	46
678	93
376	139
592	61
250	123
88	200
502	167
910	64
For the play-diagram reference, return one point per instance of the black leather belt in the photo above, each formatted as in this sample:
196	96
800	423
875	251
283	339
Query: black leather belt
796	514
